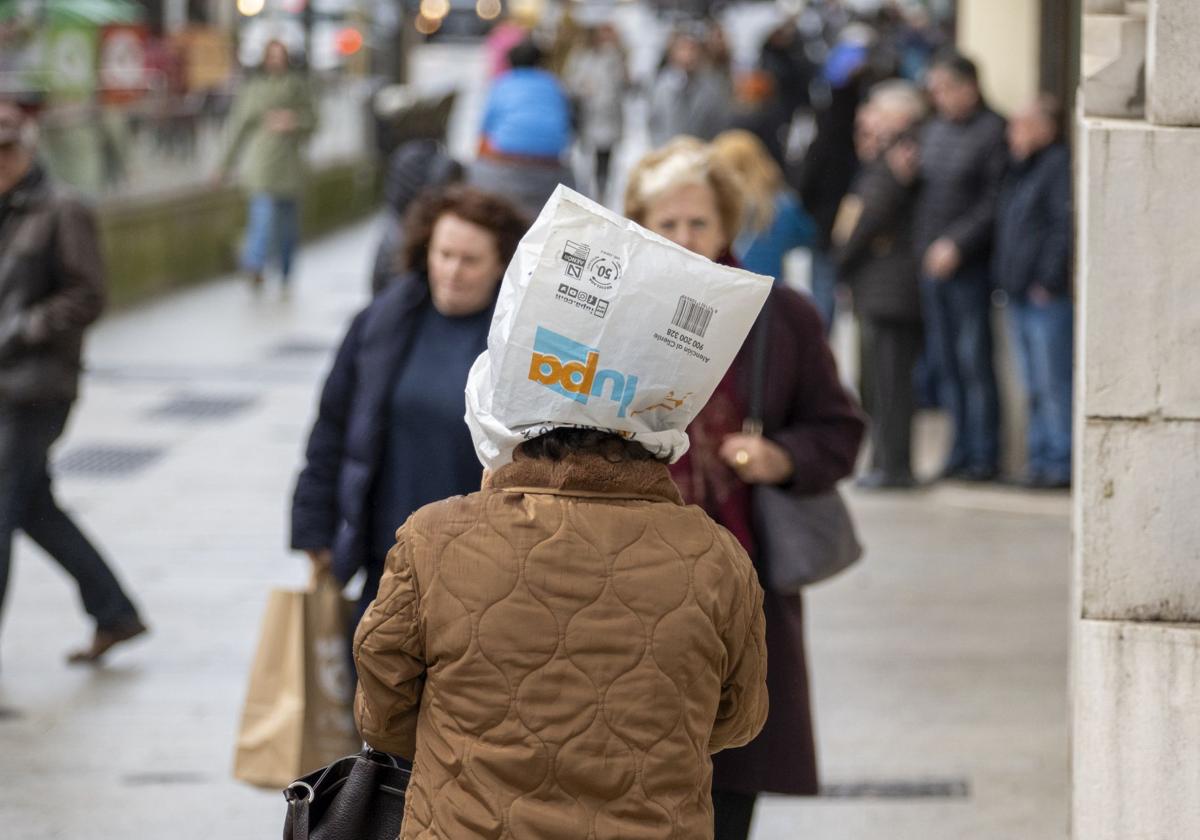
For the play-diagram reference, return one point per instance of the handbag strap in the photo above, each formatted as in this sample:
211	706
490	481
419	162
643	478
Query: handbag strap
298	823
754	422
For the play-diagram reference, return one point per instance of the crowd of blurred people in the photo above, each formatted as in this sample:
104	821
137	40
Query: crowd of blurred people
867	142
918	205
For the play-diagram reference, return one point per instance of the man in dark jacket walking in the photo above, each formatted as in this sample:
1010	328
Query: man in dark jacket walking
51	289
963	156
1032	264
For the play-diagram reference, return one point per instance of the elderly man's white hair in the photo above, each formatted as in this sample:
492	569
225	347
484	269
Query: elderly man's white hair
688	163
897	96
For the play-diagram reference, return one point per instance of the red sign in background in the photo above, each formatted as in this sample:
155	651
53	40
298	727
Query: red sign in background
122	59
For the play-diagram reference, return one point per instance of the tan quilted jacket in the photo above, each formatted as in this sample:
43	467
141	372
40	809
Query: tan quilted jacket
562	651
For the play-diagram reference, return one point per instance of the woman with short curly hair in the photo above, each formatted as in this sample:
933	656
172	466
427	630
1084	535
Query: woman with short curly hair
389	435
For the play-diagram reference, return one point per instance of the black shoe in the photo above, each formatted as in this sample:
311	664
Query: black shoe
1024	481
952	472
106	639
879	480
974	475
1037	480
978	475
1049	482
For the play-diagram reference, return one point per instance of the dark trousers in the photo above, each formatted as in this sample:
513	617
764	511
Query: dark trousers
824	287
890	352
958	335
27	503
528	185
1043	336
603	160
732	814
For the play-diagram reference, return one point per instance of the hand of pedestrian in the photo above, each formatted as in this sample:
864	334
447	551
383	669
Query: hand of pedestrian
219	178
280	120
11	329
757	460
322	561
904	159
1039	296
942	259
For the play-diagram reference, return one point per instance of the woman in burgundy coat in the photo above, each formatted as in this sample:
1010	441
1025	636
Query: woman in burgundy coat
813	429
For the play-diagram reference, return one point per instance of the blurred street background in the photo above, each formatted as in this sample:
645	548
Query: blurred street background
938	664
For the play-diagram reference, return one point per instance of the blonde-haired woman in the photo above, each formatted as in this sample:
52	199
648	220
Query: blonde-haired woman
774	223
812	430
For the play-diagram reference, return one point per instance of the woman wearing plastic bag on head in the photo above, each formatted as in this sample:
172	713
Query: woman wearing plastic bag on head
811	438
389	435
561	652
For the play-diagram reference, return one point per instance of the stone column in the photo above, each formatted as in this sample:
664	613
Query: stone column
1173	63
1003	38
1136	671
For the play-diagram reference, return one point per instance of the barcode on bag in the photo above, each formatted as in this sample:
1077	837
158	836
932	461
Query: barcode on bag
692	316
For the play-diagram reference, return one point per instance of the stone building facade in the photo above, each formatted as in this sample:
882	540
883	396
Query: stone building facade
1136	662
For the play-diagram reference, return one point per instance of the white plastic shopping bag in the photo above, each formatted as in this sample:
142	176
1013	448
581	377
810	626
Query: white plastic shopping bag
602	324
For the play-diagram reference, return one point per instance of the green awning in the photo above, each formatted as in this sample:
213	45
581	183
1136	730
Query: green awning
94	12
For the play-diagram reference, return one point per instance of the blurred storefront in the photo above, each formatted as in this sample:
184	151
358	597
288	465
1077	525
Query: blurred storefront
136	96
136	93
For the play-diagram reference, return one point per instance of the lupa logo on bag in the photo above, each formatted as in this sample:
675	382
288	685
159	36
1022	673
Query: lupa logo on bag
572	369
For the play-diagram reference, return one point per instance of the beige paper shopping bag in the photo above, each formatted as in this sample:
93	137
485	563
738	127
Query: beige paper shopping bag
298	711
329	731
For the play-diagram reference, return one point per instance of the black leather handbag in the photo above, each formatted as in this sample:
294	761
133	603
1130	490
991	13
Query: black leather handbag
360	797
801	539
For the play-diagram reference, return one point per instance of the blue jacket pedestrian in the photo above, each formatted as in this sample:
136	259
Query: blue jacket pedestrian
527	115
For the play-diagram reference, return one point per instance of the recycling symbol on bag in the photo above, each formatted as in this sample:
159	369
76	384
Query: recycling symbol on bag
604	270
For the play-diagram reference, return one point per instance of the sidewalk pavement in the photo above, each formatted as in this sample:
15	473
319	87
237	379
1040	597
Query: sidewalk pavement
939	664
